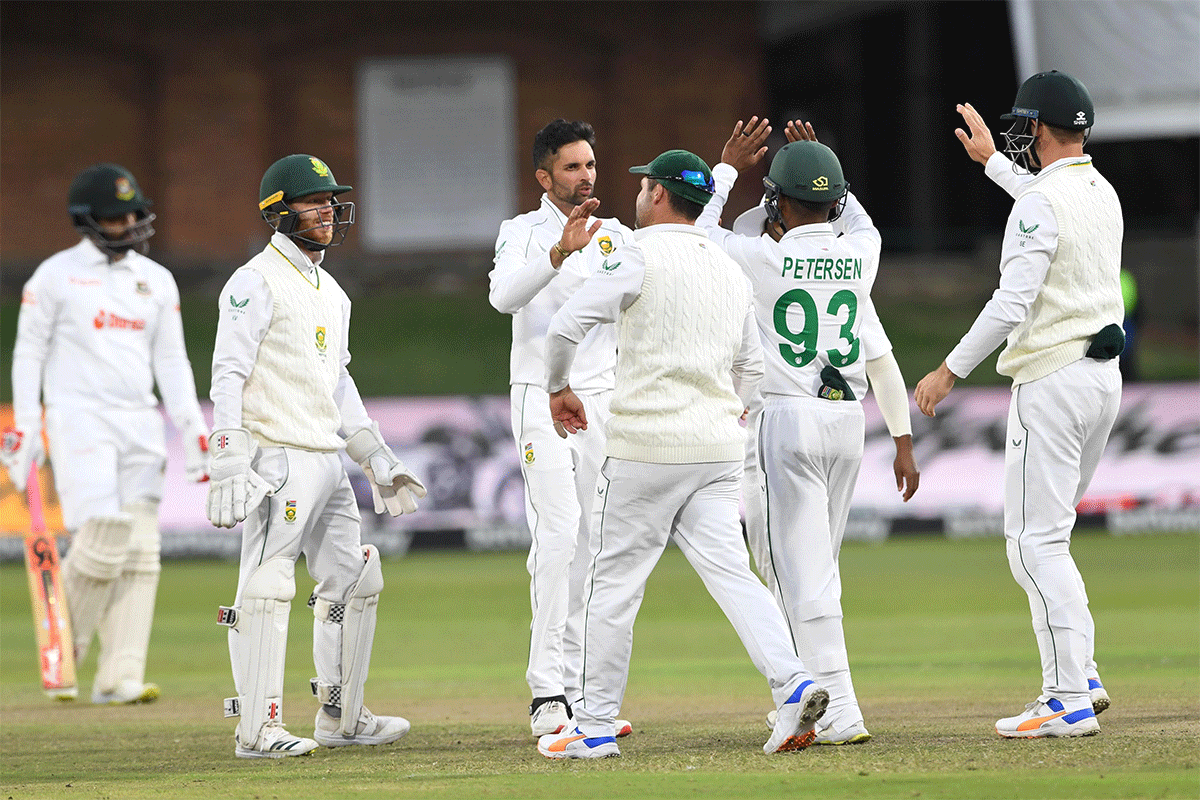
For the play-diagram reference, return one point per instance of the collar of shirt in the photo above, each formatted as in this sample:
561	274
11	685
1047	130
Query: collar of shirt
554	210
670	227
1068	161
95	257
819	228
298	258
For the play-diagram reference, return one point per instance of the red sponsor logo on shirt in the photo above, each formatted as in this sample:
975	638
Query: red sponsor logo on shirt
110	320
85	281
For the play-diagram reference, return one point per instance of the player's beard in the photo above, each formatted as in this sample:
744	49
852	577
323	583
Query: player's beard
573	195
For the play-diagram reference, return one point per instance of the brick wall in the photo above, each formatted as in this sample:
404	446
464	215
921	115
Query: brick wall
198	99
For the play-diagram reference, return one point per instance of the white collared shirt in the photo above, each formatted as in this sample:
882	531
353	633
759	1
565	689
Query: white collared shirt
525	284
812	294
95	334
246	307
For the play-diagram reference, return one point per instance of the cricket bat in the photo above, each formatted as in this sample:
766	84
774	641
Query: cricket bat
52	623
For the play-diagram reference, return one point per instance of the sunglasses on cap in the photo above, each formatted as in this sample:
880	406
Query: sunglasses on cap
692	177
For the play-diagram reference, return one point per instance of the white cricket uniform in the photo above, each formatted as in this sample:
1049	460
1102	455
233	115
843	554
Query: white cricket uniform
813	309
279	370
1059	285
560	475
688	360
93	338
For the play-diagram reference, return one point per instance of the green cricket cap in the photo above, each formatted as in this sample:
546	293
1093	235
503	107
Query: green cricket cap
681	173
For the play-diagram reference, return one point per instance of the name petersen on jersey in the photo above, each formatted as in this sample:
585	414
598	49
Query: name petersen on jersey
822	269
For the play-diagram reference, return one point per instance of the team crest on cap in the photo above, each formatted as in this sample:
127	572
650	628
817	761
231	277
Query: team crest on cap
289	511
125	190
529	453
606	245
320	339
318	166
821	184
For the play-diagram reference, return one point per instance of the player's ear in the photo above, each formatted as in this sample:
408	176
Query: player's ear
543	177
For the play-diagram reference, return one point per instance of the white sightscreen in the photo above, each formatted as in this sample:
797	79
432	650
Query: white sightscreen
435	138
1140	59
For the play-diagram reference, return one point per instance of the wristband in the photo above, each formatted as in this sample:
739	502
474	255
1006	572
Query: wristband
561	252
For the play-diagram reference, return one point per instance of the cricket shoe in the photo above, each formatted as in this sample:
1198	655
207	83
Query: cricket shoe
274	741
371	729
1098	696
855	734
549	715
576	744
1049	719
127	692
797	719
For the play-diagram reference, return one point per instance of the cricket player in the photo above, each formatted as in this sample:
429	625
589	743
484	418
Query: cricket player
99	327
542	258
284	405
688	360
811	272
1059	305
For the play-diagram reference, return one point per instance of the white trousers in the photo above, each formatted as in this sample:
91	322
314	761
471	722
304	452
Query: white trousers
639	506
313	511
1058	427
106	460
809	451
560	484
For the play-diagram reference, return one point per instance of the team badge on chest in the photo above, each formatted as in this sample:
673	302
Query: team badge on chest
529	453
289	512
320	339
606	245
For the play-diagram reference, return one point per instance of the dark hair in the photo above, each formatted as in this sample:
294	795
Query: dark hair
812	206
690	209
550	139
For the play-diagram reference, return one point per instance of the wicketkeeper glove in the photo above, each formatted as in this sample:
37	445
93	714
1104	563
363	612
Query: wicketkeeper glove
195	453
392	486
20	449
236	489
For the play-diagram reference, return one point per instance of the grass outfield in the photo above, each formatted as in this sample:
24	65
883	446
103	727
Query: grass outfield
939	640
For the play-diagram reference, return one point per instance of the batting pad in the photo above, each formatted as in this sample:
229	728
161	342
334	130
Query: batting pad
357	620
89	571
124	629
261	623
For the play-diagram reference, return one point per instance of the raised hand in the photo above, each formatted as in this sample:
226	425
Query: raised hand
978	143
747	145
799	131
576	232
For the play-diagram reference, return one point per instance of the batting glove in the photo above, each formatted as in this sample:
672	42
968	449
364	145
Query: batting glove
236	489
19	451
393	487
195	453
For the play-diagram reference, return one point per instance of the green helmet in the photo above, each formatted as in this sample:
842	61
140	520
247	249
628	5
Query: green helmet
291	178
109	191
1054	98
807	171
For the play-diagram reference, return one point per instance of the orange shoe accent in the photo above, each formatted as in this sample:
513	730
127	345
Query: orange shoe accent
561	744
797	742
1037	722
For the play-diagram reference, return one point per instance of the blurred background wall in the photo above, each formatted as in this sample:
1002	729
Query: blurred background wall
198	98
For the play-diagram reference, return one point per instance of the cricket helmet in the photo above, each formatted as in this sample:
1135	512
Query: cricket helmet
807	171
109	191
296	176
1054	98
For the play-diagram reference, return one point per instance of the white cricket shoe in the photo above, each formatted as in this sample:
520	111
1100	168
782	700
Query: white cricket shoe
797	719
1097	695
127	692
855	734
371	729
1049	719
576	744
274	741
549	717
